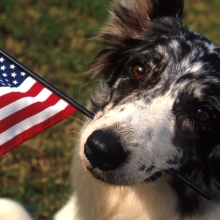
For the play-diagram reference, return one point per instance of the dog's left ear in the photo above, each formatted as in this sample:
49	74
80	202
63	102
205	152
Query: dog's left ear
131	18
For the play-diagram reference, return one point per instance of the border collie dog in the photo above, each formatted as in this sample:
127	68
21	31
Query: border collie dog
157	108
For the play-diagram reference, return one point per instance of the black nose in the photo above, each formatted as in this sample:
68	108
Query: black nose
104	150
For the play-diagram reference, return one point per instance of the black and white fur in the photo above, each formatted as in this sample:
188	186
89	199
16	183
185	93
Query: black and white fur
157	107
167	116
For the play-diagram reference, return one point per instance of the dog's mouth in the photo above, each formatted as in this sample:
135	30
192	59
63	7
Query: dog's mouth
109	177
96	174
154	176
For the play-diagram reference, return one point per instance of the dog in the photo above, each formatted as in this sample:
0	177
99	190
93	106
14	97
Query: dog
157	108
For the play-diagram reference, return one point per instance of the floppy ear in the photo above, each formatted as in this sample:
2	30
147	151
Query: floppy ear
131	17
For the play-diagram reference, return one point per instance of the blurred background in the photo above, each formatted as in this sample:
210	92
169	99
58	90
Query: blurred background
54	39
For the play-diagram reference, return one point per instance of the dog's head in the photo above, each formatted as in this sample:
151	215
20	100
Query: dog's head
158	105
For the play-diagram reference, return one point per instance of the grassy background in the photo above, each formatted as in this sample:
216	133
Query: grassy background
53	39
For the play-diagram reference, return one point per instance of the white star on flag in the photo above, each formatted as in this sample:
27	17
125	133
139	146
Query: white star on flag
3	68
14	75
2	59
12	66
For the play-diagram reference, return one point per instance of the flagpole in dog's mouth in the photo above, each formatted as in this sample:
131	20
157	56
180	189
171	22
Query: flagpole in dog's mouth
179	176
91	116
176	174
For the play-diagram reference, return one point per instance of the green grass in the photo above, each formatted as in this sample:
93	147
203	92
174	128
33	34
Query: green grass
53	39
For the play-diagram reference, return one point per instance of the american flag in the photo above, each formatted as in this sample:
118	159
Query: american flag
26	106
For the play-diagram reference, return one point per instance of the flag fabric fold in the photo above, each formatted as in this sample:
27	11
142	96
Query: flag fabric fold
27	107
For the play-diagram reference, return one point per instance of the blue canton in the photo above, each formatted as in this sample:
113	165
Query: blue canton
10	75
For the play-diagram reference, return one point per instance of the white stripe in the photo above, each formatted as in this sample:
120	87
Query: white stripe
32	121
24	87
24	102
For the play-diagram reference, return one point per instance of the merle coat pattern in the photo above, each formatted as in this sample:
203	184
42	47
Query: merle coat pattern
157	107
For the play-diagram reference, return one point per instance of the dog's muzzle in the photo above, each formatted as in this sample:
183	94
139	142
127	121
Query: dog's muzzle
104	150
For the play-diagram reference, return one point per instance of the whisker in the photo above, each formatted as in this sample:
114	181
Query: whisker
78	119
77	126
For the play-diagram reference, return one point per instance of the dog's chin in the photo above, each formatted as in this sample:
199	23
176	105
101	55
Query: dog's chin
110	178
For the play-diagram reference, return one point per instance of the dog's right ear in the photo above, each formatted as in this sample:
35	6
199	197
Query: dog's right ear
131	18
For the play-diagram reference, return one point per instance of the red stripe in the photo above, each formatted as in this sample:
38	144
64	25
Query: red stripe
14	96
27	112
29	133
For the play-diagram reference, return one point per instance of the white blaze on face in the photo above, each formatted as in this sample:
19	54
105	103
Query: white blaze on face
145	131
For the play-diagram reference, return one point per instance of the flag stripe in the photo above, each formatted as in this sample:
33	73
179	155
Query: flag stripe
24	87
28	104
24	102
32	121
27	112
12	97
36	129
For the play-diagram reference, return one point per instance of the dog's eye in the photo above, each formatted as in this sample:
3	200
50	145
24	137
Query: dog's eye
203	115
138	70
